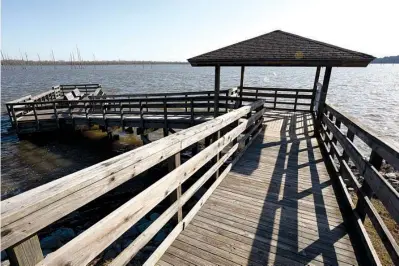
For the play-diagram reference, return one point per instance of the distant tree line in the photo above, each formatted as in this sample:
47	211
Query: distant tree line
387	60
97	62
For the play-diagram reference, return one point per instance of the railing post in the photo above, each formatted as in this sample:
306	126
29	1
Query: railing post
217	91
185	96
275	99
227	100
338	124
36	119
350	135
215	137
194	149
104	117
56	115
121	112
296	100
241	84
173	163
165	118
14	117
26	253
192	111
141	114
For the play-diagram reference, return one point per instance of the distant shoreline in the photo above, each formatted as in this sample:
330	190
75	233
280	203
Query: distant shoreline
85	63
123	62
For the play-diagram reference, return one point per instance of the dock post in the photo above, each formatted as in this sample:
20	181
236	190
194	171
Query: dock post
26	253
217	90
316	80
216	136
322	100
173	163
241	84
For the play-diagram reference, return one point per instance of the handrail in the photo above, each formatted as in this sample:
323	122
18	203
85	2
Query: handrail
278	89
27	213
272	96
131	95
374	182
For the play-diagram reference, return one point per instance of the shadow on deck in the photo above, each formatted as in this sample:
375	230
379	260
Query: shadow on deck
277	206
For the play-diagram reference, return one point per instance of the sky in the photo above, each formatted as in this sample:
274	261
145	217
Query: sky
176	30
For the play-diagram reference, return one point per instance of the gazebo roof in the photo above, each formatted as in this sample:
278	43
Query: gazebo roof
279	48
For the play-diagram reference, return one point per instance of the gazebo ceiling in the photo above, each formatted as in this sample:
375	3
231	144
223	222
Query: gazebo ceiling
279	48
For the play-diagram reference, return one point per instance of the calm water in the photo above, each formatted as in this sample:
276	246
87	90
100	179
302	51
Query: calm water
369	94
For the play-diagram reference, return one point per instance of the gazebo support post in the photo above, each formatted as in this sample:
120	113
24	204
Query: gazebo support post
316	80
241	83
217	91
323	96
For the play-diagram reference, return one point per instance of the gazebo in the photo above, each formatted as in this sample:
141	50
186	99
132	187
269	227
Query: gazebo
279	48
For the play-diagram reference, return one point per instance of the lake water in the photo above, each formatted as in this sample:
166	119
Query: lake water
369	94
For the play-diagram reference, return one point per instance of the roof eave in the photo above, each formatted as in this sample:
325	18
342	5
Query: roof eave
292	63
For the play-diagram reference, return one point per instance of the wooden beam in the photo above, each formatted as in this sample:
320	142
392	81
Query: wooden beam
323	93
241	83
316	80
217	91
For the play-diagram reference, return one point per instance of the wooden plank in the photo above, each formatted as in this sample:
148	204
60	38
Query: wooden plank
244	247
271	95
278	89
173	260
286	244
219	256
182	253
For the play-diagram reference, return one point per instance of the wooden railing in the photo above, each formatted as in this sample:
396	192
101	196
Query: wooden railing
342	147
229	92
24	215
280	98
21	106
190	104
84	88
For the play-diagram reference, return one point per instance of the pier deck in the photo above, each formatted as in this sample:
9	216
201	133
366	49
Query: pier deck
246	196
277	206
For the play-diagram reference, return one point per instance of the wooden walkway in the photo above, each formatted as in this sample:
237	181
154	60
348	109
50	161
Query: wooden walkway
276	207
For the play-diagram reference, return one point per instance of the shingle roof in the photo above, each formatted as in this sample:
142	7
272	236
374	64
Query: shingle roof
279	48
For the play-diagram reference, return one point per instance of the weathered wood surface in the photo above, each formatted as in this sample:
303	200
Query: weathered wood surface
29	212
178	112
276	207
373	184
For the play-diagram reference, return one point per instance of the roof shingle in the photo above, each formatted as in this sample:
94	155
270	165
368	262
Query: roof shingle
279	48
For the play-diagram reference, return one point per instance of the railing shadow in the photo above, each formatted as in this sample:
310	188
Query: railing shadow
284	222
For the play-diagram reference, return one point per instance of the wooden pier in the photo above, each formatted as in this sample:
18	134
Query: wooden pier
283	181
277	206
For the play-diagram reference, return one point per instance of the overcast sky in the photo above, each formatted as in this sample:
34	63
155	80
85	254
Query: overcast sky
177	30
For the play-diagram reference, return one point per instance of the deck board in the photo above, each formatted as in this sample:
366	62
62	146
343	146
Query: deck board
276	207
